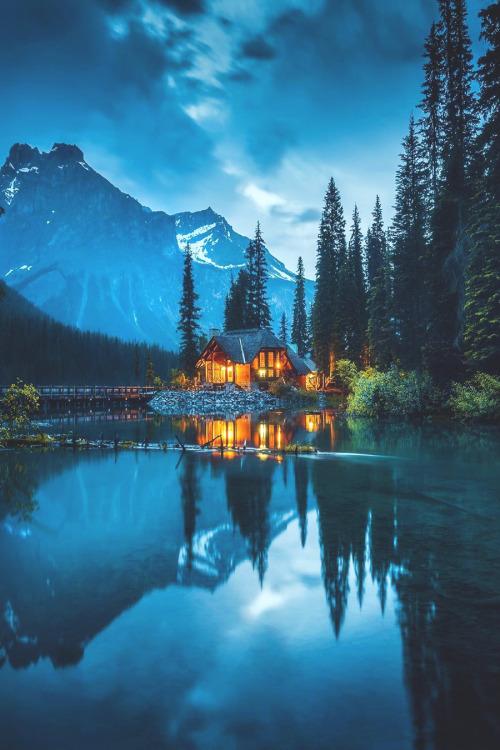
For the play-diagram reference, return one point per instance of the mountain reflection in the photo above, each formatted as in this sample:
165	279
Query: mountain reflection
105	535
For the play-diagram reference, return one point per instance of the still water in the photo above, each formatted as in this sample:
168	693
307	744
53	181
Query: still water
149	600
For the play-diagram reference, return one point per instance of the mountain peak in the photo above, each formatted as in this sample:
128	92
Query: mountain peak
66	153
22	155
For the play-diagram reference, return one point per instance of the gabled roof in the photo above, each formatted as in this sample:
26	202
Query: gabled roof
243	346
301	365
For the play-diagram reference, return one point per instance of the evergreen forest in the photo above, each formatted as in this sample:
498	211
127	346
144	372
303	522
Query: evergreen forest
424	294
40	350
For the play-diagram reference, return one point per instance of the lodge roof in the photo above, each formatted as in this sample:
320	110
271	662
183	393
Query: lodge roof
301	365
242	346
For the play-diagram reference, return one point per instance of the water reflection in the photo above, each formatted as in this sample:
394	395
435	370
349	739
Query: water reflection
427	529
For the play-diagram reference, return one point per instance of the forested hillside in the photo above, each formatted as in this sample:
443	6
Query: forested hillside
424	294
37	349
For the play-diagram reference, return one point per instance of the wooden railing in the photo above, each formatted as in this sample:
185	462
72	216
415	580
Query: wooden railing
90	392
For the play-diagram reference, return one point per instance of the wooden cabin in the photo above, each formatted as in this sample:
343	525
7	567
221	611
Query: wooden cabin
251	358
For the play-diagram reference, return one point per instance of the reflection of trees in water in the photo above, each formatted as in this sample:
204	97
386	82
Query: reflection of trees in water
301	475
444	564
190	495
18	486
248	497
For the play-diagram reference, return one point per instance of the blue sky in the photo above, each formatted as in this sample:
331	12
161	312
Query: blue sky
248	106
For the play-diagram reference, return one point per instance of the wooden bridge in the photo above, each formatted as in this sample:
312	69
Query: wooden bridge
54	395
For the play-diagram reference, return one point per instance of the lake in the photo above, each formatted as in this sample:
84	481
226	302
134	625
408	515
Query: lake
160	600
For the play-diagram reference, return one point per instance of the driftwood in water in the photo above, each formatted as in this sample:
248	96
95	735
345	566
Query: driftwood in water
205	445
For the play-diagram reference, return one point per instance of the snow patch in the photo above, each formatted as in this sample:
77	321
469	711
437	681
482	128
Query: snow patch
277	274
28	169
11	191
82	164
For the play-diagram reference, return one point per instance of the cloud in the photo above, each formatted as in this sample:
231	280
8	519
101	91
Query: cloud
263	199
257	48
184	7
309	215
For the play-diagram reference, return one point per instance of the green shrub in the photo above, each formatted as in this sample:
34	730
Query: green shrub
179	381
345	374
477	399
393	394
280	389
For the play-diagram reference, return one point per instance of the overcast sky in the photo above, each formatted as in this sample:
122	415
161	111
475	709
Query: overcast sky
248	106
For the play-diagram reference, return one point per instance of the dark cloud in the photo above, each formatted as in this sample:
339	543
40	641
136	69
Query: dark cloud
184	7
268	141
239	75
309	215
257	48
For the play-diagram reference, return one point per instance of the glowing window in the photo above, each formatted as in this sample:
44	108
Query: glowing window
270	359
262	359
271	373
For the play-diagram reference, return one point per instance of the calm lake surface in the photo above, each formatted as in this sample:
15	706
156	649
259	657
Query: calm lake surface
149	600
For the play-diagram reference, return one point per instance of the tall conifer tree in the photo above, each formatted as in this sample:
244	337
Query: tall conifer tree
482	334
446	256
258	311
330	258
432	105
189	327
358	301
379	295
408	240
283	335
299	322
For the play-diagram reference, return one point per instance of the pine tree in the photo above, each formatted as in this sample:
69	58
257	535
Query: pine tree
330	258
408	240
258	313
432	105
189	317
379	295
283	335
482	334
137	367
299	321
446	256
375	244
150	373
356	340
236	306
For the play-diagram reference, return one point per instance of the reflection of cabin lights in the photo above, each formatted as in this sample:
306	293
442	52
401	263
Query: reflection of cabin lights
262	430
310	426
262	373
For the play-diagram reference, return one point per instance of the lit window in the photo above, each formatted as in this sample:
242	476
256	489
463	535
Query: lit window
270	359
271	373
262	373
262	359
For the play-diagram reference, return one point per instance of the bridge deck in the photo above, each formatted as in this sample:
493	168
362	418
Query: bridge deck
90	392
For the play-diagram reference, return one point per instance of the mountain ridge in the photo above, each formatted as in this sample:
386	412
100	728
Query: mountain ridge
93	256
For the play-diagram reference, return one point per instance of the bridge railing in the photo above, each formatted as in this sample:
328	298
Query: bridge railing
83	392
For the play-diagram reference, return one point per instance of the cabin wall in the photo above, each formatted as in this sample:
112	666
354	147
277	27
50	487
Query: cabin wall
242	376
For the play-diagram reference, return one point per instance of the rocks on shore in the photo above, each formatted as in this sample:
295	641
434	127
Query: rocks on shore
213	403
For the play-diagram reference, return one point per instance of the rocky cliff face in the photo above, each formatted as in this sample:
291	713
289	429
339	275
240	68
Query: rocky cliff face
94	257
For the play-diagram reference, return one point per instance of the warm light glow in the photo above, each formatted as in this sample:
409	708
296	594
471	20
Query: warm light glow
262	373
278	365
310	426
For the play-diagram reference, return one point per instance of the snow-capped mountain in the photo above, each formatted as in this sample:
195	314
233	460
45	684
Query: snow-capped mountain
94	257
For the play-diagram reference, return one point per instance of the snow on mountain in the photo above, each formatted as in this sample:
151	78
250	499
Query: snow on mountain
94	257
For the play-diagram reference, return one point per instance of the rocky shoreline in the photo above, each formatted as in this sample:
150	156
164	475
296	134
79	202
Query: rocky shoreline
213	403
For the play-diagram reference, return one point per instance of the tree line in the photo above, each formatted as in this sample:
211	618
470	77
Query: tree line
425	294
38	349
